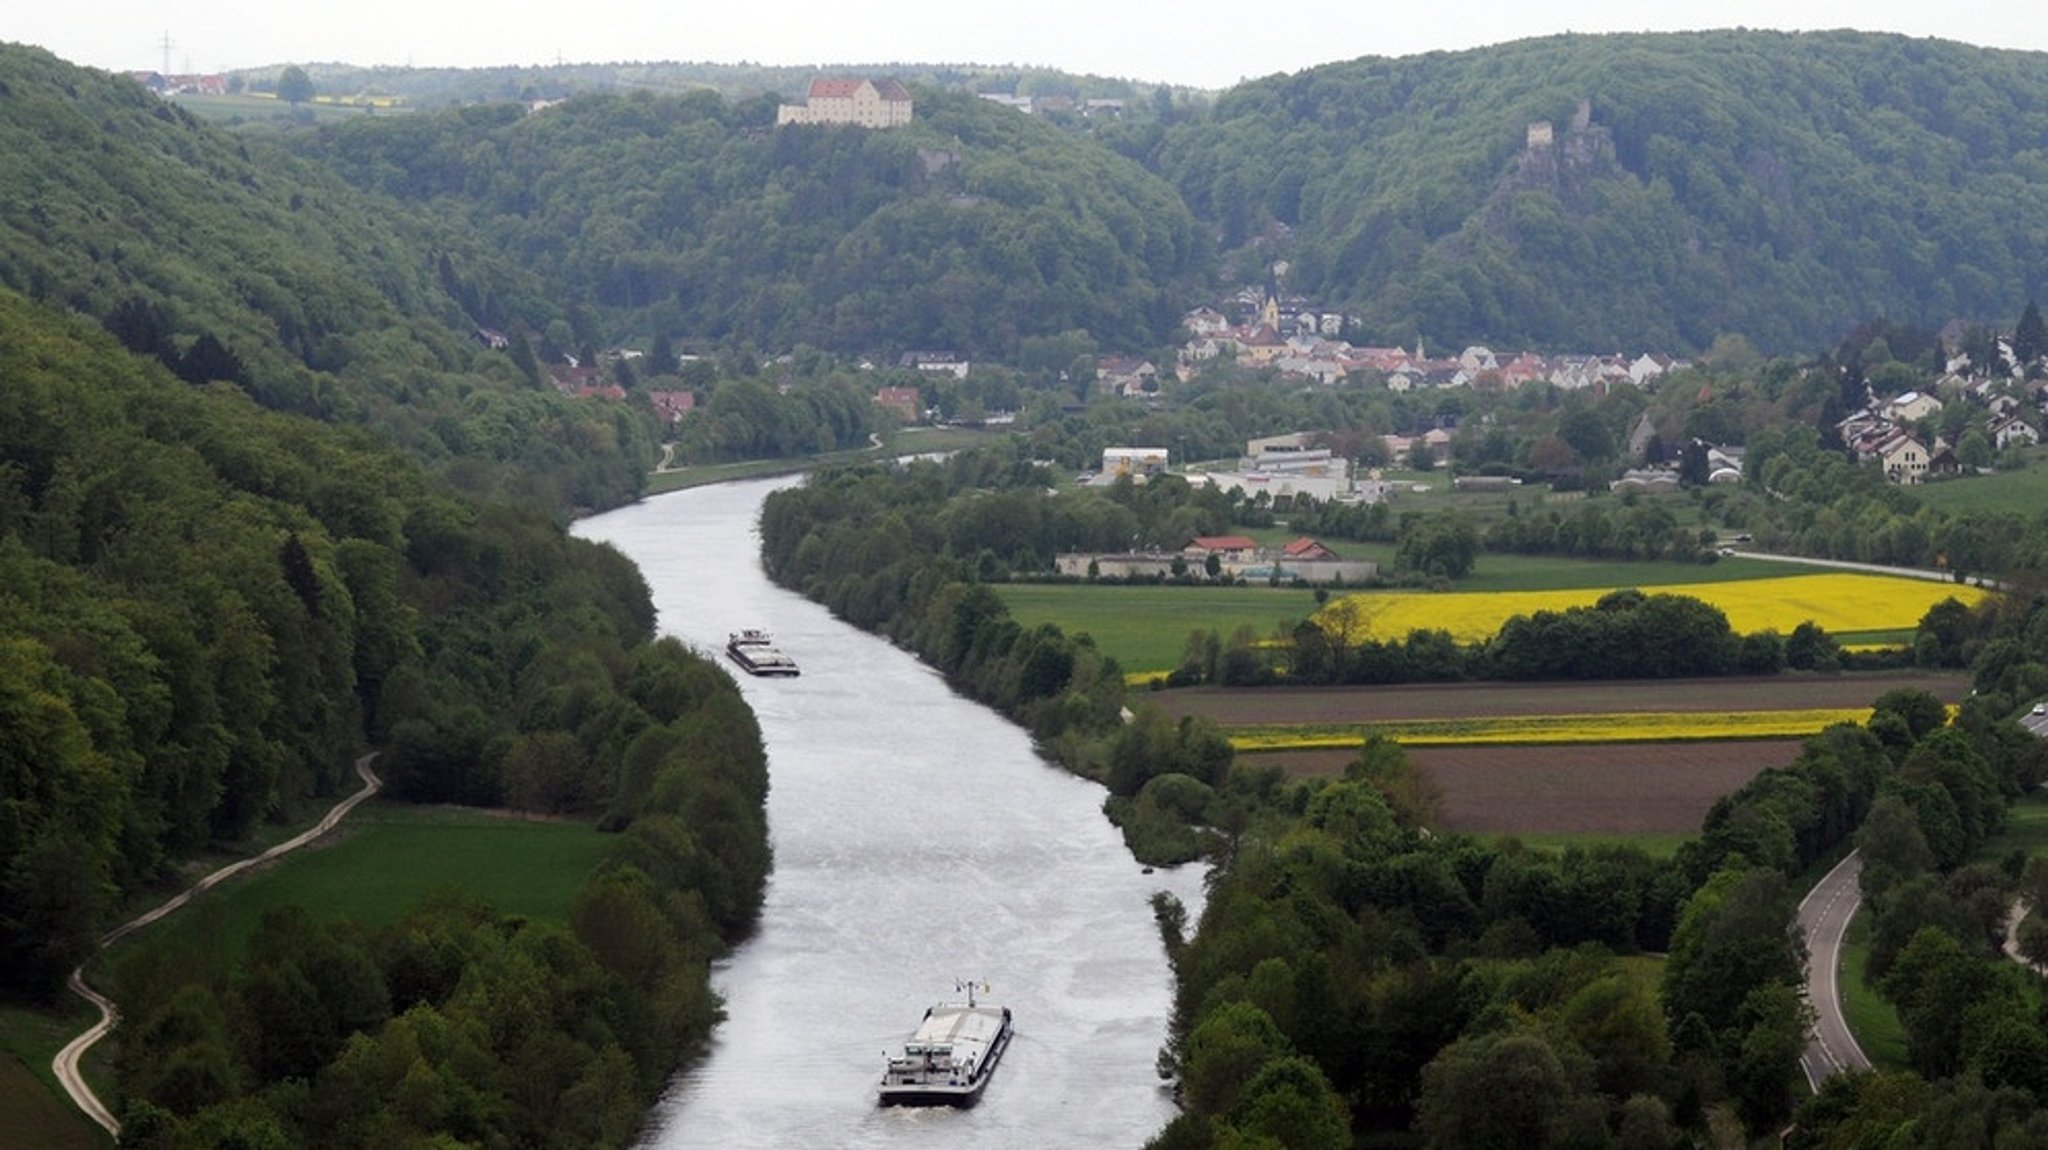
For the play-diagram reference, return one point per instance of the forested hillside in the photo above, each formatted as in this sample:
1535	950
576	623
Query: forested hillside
1780	186
207	611
228	259
1783	186
968	230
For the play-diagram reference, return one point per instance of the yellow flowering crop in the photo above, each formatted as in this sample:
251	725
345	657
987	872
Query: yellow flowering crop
1623	727
1838	602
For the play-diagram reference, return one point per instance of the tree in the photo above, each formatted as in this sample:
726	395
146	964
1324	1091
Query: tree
2030	338
1739	933
207	360
1922	711
1440	546
1526	1092
1894	849
293	85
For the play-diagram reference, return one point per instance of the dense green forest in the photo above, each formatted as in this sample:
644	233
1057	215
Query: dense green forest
207	610
1783	186
228	259
692	218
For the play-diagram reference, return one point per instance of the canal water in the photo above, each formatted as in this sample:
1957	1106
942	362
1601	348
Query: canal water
919	841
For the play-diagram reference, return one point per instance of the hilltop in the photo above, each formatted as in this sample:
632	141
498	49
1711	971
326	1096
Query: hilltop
1647	190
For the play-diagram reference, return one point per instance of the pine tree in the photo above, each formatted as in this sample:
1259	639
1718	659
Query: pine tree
2030	339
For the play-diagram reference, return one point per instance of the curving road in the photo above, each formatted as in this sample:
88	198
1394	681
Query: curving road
1824	916
65	1065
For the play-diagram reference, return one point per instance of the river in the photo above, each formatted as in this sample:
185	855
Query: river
919	840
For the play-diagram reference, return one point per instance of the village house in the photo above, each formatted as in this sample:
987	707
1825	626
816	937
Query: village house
1911	407
1904	459
1237	557
2012	431
860	102
1117	375
905	403
673	405
1306	549
935	363
1229	548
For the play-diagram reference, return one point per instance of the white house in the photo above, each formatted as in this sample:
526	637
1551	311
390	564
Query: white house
2013	430
1903	458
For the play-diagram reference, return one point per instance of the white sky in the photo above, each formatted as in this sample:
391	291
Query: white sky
1202	43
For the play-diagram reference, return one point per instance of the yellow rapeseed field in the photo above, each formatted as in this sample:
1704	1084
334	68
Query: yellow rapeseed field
1840	602
1530	730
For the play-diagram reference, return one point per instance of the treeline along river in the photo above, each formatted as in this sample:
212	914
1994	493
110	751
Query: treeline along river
919	840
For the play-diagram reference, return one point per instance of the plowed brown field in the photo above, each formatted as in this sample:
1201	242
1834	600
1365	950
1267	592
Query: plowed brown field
1607	788
1613	788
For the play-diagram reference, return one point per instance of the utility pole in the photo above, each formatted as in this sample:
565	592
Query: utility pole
165	44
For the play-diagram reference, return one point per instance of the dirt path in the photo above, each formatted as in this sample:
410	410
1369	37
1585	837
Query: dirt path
65	1066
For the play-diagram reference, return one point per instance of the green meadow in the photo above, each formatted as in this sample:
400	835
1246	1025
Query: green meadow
2024	491
1146	627
384	860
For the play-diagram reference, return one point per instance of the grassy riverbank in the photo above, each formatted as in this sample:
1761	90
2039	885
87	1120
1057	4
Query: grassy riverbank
907	441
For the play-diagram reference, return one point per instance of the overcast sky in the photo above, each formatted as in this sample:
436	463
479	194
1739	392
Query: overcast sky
1202	43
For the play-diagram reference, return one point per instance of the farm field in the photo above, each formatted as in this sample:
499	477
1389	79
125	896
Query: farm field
1146	627
1615	789
1302	706
1843	603
386	859
1638	789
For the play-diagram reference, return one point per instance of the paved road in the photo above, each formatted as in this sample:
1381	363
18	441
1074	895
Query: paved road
65	1066
1824	916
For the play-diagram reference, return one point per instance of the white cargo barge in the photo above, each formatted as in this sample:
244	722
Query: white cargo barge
757	655
950	1058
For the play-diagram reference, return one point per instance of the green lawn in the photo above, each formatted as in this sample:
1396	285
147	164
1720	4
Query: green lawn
386	859
1146	628
2024	491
